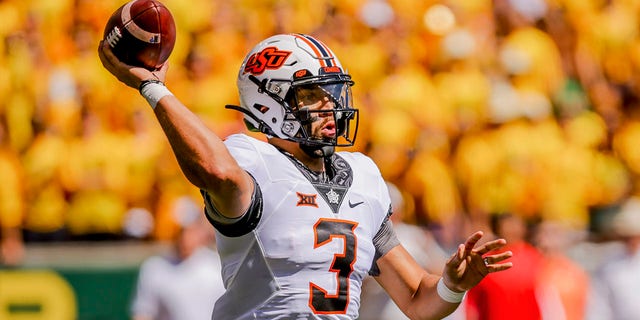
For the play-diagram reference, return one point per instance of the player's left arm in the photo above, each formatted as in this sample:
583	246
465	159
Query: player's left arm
415	291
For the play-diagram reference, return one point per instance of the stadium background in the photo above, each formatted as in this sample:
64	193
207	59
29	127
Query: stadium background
470	106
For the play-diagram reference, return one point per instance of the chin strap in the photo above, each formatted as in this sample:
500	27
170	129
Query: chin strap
317	151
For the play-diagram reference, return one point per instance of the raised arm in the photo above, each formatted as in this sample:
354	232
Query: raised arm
421	295
201	154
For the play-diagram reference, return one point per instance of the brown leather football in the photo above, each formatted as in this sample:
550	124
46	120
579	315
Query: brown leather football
141	33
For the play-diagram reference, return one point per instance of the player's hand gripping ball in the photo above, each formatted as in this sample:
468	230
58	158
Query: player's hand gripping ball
141	33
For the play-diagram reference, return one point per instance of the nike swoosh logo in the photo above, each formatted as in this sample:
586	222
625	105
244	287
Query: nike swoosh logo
353	205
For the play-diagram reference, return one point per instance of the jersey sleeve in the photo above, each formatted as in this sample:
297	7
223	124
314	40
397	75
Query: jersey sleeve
385	240
245	151
247	156
238	226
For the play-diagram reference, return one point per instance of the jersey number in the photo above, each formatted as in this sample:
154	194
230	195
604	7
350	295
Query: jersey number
325	231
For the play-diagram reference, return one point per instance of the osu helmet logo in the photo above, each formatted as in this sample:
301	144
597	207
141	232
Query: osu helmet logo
268	58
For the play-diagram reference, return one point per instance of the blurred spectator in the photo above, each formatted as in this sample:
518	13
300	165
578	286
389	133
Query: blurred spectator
375	303
565	284
94	173
186	283
44	193
617	282
11	205
511	294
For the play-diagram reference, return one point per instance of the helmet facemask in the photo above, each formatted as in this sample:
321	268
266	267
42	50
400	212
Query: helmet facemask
319	104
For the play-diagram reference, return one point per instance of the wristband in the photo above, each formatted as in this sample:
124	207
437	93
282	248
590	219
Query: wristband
447	294
153	91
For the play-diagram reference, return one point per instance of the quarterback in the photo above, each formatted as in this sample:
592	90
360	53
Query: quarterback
300	224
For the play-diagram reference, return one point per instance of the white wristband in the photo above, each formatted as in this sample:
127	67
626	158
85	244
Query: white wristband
153	91
447	294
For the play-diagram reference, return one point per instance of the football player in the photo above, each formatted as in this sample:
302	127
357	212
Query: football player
300	225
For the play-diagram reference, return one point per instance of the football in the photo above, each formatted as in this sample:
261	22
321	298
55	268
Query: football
141	33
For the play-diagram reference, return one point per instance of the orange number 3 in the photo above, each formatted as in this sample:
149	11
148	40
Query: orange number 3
325	230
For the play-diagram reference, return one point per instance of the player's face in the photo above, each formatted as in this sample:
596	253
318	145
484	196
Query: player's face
317	100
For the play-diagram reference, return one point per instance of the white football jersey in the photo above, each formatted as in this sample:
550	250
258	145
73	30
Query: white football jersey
313	244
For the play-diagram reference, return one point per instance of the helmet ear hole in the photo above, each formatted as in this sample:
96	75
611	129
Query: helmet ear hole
260	107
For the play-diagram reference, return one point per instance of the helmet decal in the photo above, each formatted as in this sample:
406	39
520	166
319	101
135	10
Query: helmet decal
319	49
331	69
268	58
301	74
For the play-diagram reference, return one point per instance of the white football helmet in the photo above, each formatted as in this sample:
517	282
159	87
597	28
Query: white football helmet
272	73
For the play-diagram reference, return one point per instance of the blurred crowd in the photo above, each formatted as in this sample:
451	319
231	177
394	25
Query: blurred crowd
472	107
